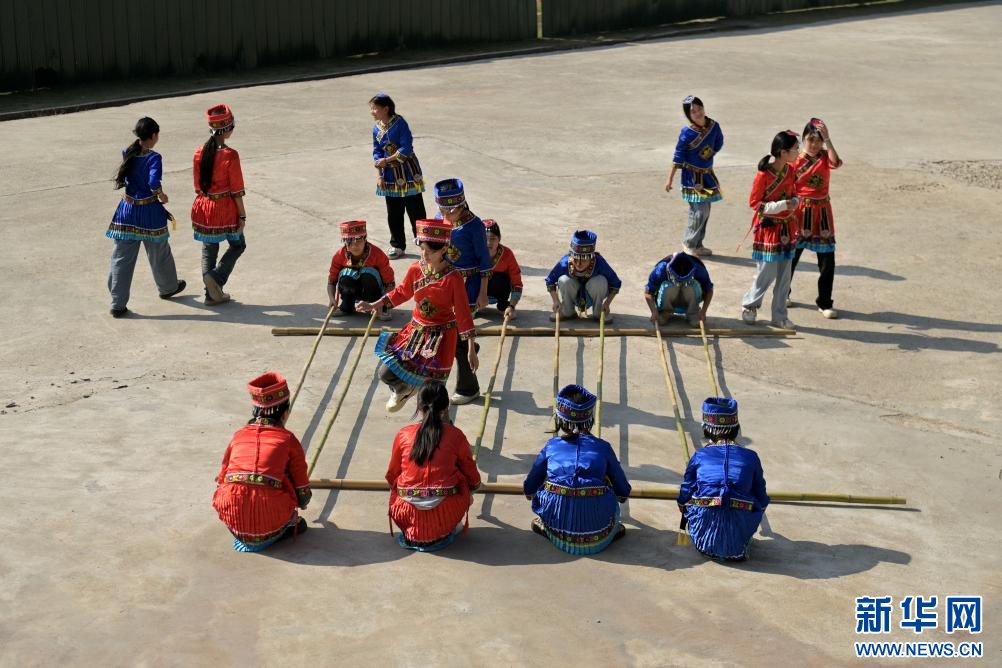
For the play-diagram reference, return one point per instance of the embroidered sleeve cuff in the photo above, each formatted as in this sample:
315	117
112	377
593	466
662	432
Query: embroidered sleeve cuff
680	165
516	294
390	286
238	193
551	288
156	191
467	335
613	292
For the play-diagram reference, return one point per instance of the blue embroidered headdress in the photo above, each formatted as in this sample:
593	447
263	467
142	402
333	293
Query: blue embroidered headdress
449	193
681	266
575	413
719	415
583	242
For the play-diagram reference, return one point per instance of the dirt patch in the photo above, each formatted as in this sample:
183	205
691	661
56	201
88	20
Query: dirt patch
979	173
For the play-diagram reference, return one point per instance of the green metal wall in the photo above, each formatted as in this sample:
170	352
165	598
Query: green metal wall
43	42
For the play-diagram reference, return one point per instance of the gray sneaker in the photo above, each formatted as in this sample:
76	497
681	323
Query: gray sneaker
749	315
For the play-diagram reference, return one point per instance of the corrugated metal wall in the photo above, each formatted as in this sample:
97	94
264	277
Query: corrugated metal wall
569	17
43	42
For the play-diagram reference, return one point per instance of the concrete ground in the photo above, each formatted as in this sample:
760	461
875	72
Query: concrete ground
113	429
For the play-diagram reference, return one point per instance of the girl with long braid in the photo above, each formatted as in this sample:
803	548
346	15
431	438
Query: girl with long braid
432	475
218	213
141	219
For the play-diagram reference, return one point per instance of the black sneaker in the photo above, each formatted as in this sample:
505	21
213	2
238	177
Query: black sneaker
537	527
181	285
118	312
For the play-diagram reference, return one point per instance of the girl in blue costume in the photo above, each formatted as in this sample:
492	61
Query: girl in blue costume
398	172
576	483
141	219
722	497
697	144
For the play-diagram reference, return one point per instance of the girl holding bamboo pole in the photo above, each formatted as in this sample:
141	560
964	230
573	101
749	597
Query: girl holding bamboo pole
432	475
723	494
577	483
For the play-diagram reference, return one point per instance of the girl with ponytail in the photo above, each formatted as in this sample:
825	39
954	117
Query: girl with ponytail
218	213
773	198
432	475
141	219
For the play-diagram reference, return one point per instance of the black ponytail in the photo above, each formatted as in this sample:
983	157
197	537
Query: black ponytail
432	400
206	163
783	141
145	128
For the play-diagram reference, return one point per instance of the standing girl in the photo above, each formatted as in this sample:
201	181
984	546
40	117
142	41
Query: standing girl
426	348
398	172
697	144
817	225
772	197
141	218
218	213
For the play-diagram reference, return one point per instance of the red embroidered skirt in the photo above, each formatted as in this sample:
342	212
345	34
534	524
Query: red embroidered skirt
427	526
253	512
215	219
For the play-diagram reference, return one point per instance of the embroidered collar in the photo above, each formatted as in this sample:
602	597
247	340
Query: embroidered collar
265	422
726	441
426	270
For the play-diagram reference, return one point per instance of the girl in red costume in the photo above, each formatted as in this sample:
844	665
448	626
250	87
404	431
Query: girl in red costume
218	214
432	475
263	478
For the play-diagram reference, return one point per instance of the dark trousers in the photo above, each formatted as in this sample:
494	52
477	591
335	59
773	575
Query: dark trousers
350	290
395	207
221	272
826	265
499	287
466	381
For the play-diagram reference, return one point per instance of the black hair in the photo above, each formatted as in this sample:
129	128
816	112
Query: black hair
810	129
432	400
273	412
385	101
494	229
683	264
687	106
720	434
574	429
783	141
207	161
434	245
145	128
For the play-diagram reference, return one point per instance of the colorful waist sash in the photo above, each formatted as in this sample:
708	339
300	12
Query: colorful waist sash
469	271
711	501
815	200
574	491
426	491
253	479
220	195
141	201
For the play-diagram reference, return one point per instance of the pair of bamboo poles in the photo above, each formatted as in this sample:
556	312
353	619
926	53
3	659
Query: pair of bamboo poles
515	489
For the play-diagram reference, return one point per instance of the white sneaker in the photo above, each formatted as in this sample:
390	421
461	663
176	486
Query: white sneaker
458	399
398	399
749	315
784	324
829	313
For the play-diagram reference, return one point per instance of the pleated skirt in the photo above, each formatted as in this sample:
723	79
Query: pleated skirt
722	533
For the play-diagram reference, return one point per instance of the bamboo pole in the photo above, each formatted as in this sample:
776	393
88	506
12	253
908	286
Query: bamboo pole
601	370
589	332
656	493
556	370
316	344
347	385
490	388
709	364
674	401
